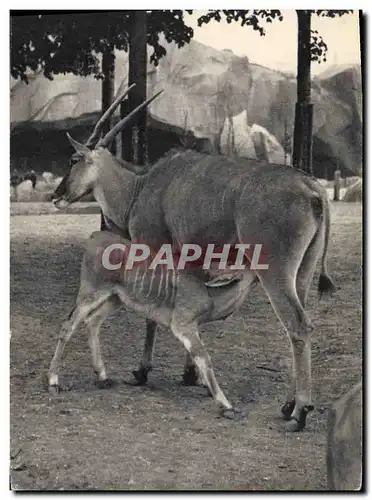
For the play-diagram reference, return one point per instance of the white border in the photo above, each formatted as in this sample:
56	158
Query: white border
4	189
4	260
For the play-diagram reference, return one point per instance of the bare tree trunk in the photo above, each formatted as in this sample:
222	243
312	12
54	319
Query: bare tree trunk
108	85
108	93
134	140
302	137
126	134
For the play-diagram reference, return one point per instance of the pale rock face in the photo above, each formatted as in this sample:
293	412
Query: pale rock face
239	139
267	146
236	139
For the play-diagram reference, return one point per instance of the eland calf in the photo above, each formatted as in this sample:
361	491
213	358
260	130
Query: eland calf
173	298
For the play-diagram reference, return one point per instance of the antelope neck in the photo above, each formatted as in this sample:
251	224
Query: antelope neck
110	225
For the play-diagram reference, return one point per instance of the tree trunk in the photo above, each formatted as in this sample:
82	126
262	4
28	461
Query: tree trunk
108	93
134	140
302	137
108	86
126	134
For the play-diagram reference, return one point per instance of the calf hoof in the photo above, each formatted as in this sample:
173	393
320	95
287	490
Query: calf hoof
105	384
232	414
141	375
54	390
287	409
298	424
190	377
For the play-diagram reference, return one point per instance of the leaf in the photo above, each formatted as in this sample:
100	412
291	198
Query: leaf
65	42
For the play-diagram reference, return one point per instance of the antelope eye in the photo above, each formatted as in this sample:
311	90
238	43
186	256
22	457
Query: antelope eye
73	161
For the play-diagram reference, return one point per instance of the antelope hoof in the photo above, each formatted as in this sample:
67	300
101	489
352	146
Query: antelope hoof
231	413
105	384
141	375
298	424
287	409
54	390
190	376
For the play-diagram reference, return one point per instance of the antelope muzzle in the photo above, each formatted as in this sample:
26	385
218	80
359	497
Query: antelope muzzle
59	195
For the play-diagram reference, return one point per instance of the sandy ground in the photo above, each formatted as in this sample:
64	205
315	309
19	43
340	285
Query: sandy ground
47	208
167	436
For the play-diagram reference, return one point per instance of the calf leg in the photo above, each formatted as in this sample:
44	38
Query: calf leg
94	322
148	352
190	374
80	312
189	337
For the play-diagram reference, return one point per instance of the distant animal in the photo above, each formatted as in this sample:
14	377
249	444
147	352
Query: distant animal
16	178
344	453
31	176
32	187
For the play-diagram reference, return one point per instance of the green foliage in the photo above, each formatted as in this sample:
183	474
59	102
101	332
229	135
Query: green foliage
254	18
70	43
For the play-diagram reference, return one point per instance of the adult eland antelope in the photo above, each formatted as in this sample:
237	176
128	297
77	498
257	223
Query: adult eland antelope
189	197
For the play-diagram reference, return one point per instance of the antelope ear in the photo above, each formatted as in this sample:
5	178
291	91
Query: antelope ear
79	148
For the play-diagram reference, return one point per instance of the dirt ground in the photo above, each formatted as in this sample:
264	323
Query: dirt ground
168	436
